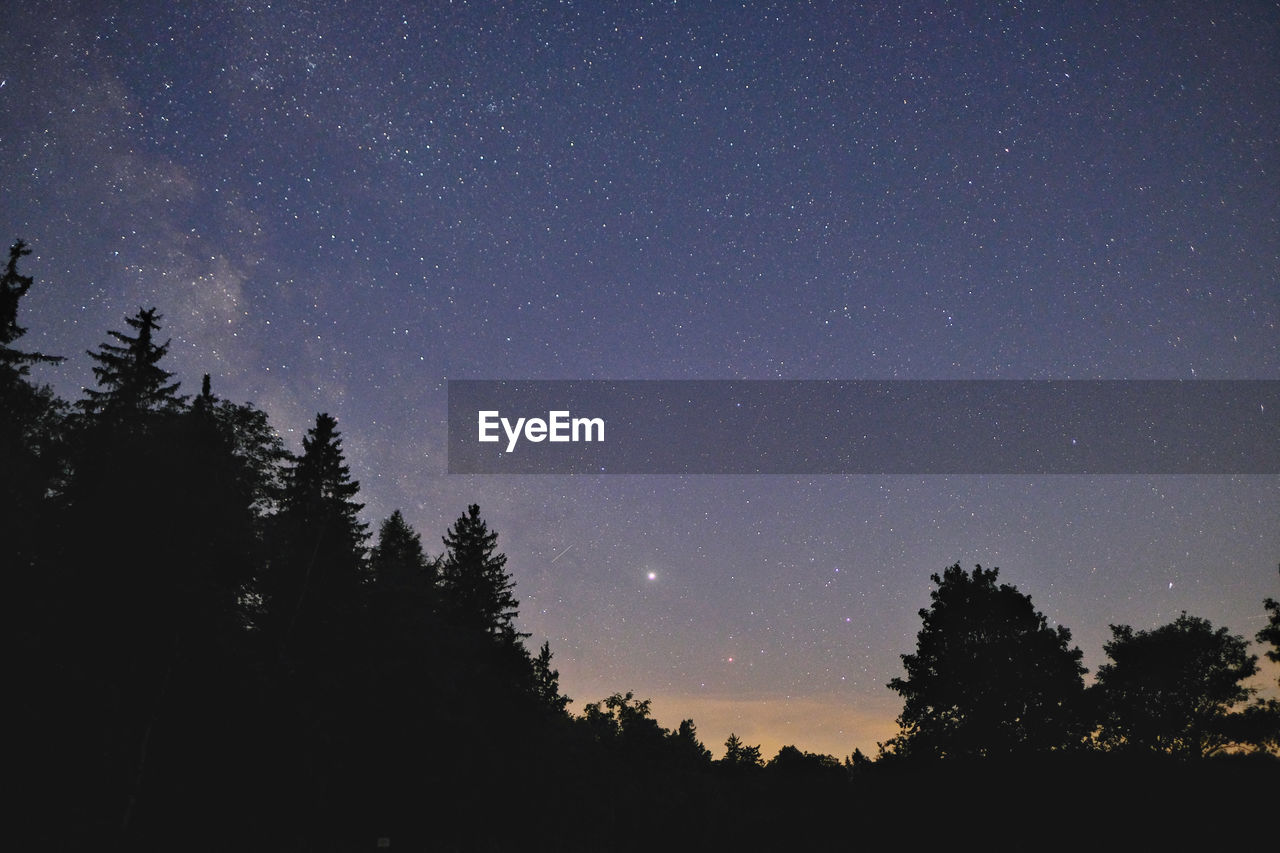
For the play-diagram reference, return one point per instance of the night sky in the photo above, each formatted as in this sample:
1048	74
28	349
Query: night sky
339	206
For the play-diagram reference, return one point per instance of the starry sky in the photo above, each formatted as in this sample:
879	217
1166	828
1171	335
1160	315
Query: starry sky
340	206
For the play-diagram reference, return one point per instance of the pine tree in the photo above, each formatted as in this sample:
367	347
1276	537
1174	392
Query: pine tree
13	286
320	486
546	681
31	424
130	379
474	584
315	584
686	747
398	563
404	595
738	754
32	457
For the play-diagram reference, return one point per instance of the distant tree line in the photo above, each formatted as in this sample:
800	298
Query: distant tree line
212	652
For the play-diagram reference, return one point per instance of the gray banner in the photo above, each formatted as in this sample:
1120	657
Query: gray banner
864	427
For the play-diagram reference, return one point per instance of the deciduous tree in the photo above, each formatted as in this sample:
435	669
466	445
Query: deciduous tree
1270	634
989	675
1170	689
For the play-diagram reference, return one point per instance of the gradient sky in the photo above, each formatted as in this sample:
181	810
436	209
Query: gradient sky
339	206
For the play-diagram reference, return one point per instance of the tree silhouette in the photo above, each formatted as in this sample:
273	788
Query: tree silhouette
1261	721
737	754
315	585
33	430
474	583
989	676
228	469
546	681
167	545
131	381
1271	632
684	740
397	564
793	762
254	442
32	427
1169	689
622	716
404	594
13	286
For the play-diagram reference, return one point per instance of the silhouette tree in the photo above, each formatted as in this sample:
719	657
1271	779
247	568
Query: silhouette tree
989	676
255	443
688	749
1169	689
315	585
475	586
1271	631
403	595
857	762
546	681
229	459
1258	726
167	546
796	765
131	381
32	427
398	563
13	286
738	755
32	468
622	716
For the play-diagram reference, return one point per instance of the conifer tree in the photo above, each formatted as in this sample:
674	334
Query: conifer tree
403	595
314	586
686	747
546	681
32	453
474	583
31	425
398	563
320	486
738	754
130	379
13	286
